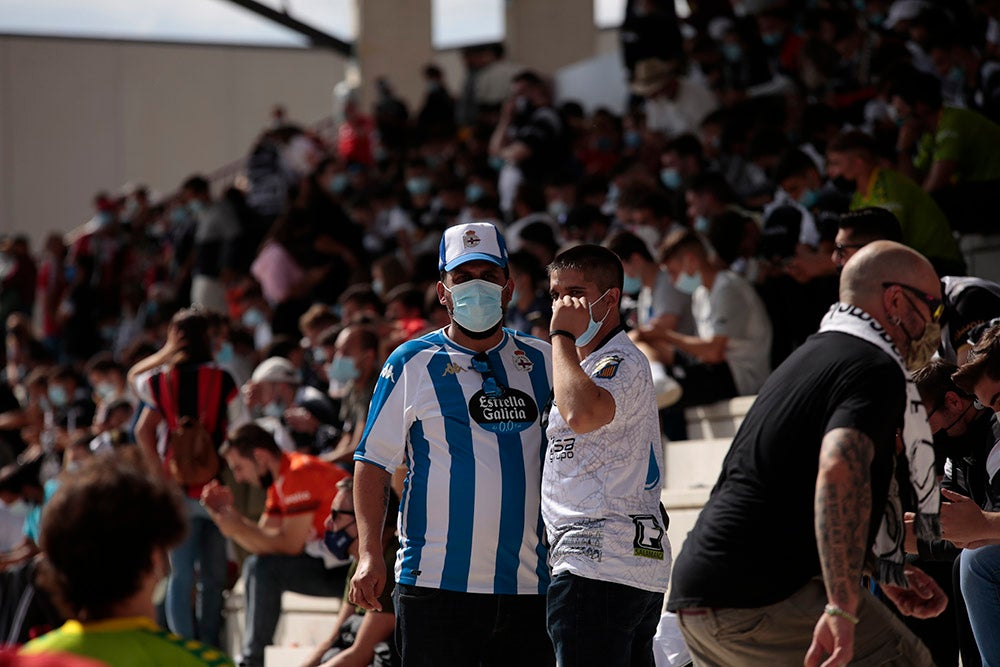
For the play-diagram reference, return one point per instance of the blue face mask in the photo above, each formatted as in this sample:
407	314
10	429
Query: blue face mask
105	391
473	192
476	305
701	224
688	283
808	198
196	206
771	39
58	396
587	336
633	139
670	177
274	409
178	215
496	163
515	295
418	186
378	287
732	52
225	353
252	318
338	183
337	543
632	284
557	208
343	370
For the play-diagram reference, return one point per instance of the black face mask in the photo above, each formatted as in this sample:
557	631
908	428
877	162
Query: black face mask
266	480
844	185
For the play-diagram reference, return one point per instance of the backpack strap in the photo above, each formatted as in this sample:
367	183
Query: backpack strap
168	397
210	398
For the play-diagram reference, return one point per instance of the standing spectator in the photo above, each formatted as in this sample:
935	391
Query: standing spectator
391	116
825	424
530	137
181	381
464	406
77	311
287	542
109	594
602	473
18	275
436	119
216	233
51	285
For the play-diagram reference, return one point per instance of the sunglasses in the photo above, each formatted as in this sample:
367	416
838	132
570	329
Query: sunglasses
841	249
491	387
934	304
335	513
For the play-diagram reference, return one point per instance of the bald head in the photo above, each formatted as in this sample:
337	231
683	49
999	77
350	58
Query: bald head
861	283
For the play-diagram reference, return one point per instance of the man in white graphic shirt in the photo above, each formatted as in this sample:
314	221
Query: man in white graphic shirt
608	548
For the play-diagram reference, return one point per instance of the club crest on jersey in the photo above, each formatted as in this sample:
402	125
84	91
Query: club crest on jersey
648	542
512	412
522	361
471	239
452	369
607	367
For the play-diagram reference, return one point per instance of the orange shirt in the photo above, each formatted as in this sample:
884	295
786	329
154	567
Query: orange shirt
304	484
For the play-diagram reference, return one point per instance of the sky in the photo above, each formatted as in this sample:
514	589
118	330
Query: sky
455	22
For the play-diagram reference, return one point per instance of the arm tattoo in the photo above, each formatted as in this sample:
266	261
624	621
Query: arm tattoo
843	507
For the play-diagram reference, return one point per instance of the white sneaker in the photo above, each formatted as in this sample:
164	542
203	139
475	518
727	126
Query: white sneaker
668	391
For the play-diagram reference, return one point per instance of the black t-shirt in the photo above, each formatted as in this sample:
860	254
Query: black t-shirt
754	543
968	302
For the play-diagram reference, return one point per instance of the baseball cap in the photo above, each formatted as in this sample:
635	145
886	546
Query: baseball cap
473	240
276	369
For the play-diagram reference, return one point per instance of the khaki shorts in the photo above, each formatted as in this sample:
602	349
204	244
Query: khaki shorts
780	634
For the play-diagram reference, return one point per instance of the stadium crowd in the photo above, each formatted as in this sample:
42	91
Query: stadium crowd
763	145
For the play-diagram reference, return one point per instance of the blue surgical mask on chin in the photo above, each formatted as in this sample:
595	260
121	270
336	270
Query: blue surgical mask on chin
343	370
337	543
688	283
476	304
587	336
631	284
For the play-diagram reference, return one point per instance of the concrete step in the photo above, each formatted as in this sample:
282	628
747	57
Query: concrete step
717	420
693	463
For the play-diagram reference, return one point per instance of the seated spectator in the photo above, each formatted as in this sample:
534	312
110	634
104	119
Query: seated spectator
107	378
969	304
21	482
307	418
953	152
529	207
72	408
852	157
357	635
675	104
287	543
113	430
404	308
110	594
862	226
724	359
359	300
354	365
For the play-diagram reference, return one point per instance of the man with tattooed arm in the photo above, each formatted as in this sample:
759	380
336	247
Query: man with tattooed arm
806	500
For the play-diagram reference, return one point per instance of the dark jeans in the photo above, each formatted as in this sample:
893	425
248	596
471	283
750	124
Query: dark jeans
266	577
601	623
439	628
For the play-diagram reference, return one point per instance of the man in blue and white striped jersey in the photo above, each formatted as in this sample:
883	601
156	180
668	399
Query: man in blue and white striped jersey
463	408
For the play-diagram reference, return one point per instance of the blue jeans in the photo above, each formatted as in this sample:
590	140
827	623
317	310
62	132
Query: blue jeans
266	577
204	548
439	628
980	583
601	623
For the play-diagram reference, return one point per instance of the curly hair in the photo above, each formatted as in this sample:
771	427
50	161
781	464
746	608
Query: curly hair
100	530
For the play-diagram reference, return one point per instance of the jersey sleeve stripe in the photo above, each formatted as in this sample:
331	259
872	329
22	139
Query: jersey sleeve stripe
387	383
462	475
513	487
414	507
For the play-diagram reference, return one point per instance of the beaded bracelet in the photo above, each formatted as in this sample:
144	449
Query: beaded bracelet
834	610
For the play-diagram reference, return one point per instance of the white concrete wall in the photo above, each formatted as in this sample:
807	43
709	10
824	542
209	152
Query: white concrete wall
79	115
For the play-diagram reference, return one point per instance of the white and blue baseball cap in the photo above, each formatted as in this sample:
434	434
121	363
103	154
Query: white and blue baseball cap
474	240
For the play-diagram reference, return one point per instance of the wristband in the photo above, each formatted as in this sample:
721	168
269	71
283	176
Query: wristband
561	332
834	610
